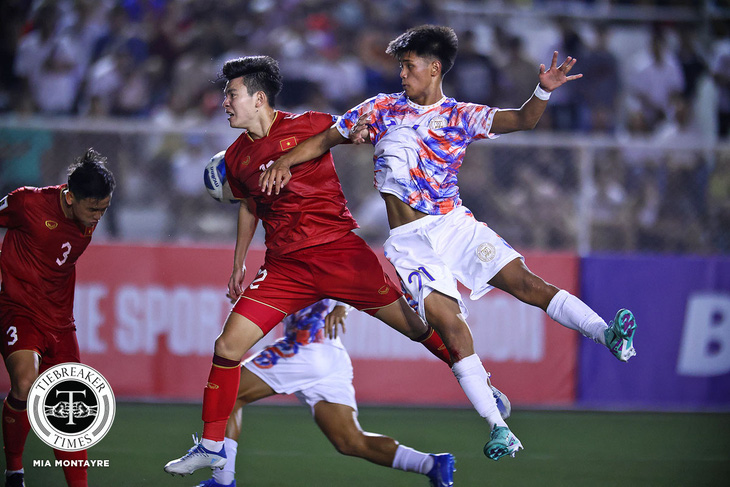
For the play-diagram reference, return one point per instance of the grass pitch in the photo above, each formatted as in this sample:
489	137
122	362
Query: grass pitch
282	447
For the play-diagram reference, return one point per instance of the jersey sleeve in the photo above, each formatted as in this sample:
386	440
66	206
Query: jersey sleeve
11	207
478	120
345	122
321	121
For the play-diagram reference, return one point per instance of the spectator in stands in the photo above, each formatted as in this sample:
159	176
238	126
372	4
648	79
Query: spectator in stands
49	65
473	65
658	77
601	86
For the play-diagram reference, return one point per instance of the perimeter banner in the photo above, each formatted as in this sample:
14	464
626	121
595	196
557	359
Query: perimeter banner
147	318
682	310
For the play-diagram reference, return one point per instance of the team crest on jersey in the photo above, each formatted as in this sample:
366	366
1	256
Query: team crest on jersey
88	231
437	123
288	143
246	161
486	252
51	224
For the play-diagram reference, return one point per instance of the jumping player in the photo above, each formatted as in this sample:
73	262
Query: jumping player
311	251
311	362
48	230
420	138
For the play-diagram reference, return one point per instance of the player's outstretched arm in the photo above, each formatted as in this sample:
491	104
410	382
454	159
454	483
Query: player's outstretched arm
278	174
527	116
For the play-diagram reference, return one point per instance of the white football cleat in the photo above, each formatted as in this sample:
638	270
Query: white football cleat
196	458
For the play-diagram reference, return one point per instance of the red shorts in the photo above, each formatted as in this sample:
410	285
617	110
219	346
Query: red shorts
54	347
346	270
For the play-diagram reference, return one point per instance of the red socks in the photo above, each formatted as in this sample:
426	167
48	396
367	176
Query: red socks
432	341
219	396
15	431
75	476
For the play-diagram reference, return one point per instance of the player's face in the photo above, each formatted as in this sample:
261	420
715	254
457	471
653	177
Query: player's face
238	104
417	75
87	211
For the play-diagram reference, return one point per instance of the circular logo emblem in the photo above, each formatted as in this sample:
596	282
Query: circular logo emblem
486	252
437	123
71	407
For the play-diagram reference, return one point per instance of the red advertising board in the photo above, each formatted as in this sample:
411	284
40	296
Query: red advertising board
147	317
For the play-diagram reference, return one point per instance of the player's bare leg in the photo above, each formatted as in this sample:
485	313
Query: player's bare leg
516	279
238	336
444	314
22	367
339	424
401	317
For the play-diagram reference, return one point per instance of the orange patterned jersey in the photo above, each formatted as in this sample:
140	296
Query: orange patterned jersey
419	149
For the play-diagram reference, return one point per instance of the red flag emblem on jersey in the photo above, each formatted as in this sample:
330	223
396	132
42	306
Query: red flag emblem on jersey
288	143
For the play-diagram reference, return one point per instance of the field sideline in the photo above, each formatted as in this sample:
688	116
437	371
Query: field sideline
282	447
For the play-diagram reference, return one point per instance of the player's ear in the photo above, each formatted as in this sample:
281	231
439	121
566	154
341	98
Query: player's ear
435	67
69	197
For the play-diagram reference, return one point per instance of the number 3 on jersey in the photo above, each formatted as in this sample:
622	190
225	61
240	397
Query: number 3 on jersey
66	248
12	335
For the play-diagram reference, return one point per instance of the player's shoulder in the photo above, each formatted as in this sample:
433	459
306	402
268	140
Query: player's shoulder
308	116
32	192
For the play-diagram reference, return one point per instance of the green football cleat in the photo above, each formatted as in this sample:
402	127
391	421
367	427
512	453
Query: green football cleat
501	442
620	335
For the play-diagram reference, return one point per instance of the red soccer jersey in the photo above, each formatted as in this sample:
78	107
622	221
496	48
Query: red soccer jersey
38	259
311	209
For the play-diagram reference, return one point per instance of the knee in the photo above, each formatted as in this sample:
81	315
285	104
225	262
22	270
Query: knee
225	348
20	386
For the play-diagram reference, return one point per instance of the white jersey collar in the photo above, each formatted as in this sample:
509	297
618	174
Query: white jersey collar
424	107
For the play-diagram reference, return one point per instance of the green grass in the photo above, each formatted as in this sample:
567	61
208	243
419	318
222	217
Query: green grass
282	447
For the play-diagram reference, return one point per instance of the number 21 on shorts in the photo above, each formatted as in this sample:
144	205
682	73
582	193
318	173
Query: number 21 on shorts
417	275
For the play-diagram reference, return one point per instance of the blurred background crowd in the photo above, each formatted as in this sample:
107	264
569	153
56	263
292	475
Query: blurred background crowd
635	156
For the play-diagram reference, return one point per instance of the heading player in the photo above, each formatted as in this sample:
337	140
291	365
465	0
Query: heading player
311	251
420	138
48	230
311	362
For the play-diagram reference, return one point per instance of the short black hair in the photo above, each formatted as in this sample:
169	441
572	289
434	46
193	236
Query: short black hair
88	177
260	73
427	41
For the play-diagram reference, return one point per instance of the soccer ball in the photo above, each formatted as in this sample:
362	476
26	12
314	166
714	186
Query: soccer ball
215	180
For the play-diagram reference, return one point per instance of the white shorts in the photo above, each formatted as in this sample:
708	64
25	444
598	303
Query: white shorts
436	251
316	372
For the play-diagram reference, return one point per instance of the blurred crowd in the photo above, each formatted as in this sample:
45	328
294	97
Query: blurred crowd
156	61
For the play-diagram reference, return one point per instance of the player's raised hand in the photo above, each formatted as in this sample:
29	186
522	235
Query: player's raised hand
275	177
360	132
235	284
335	317
557	75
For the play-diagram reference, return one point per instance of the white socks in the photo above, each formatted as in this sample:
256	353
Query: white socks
573	313
211	445
410	460
472	378
228	473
